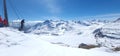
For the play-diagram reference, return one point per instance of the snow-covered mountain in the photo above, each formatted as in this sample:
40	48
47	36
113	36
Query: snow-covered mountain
100	29
118	20
59	27
50	27
105	30
109	34
60	38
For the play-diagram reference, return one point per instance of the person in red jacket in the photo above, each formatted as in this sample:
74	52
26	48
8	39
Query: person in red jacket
5	22
1	22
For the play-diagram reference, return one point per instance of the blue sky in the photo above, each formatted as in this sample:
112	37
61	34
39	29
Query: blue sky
65	9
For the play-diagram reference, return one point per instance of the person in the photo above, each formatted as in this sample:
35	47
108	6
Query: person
22	24
5	22
1	22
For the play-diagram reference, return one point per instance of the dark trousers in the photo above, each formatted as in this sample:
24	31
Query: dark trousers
1	25
21	27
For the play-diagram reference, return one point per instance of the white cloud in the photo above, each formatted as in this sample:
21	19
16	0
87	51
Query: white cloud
52	6
102	17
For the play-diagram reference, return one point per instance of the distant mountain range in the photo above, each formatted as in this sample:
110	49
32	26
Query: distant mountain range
100	29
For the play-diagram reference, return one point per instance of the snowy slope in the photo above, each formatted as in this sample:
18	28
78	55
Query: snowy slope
32	45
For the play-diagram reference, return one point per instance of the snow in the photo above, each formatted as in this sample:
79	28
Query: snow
16	43
73	38
32	45
110	35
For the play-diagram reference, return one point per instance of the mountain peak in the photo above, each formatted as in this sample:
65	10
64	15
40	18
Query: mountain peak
118	20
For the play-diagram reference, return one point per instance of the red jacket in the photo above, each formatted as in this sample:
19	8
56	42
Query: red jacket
1	19
5	22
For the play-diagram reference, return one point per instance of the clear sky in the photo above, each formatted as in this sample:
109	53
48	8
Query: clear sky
65	9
